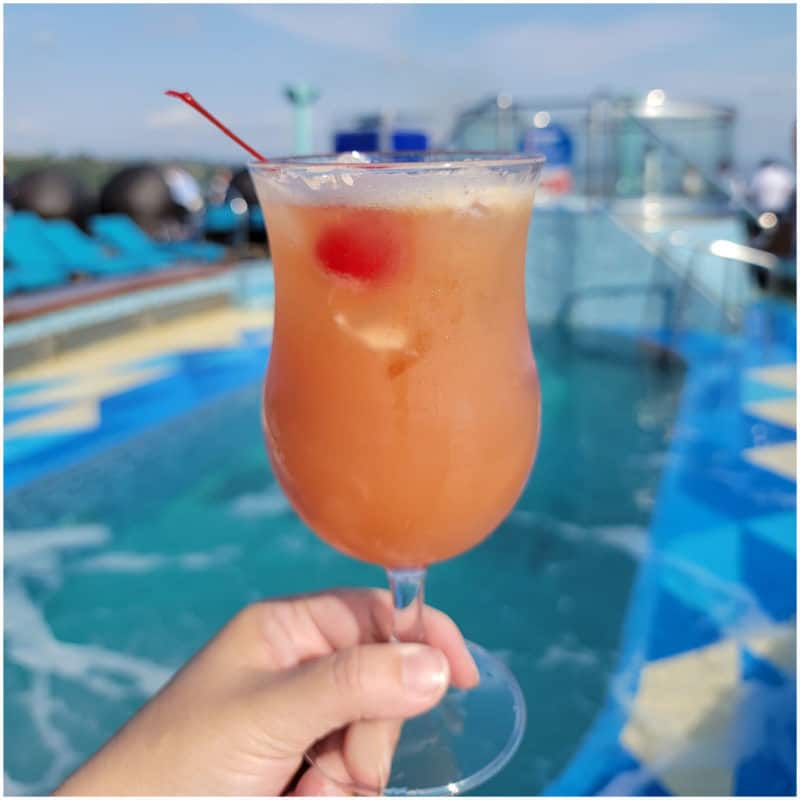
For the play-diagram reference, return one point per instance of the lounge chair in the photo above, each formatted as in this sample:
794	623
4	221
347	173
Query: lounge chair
10	280
31	263
81	253
222	219
123	234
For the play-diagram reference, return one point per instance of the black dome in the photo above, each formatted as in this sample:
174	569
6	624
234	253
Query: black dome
142	193
243	183
51	193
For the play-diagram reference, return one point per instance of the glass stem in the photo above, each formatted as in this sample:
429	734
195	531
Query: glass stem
408	598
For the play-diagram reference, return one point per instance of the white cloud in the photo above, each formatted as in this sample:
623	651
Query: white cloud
552	52
370	29
177	116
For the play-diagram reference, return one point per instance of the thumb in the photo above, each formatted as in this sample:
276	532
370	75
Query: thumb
373	681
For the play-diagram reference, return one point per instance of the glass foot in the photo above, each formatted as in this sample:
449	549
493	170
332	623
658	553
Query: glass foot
469	737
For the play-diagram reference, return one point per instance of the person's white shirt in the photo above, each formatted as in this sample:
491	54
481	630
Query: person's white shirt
771	188
184	189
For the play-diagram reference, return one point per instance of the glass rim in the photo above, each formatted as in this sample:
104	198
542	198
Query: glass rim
443	160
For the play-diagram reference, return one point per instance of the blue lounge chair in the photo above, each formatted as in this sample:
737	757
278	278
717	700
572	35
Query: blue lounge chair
31	263
123	234
224	224
222	219
10	280
81	253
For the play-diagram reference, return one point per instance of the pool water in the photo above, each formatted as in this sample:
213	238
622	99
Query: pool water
119	566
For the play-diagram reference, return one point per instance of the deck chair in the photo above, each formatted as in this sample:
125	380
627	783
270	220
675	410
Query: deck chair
81	253
124	235
31	263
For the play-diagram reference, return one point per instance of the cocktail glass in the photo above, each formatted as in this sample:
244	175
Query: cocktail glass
401	404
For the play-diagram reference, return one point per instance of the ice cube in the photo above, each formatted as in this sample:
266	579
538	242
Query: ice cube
376	336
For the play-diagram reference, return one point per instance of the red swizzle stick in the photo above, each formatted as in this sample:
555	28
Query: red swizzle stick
190	101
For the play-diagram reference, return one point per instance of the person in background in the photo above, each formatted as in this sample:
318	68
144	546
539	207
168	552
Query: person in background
772	195
730	181
218	187
188	199
771	187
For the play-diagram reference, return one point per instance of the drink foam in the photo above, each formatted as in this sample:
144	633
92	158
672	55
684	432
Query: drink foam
470	190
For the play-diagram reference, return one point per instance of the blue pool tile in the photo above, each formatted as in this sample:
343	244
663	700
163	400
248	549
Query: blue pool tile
14	388
778	529
764	431
770	330
163	360
756	669
730	429
622	774
604	766
755	391
197	376
721	541
696	346
14	414
701	569
15	447
678	512
255	338
19	447
765	775
676	627
714	549
769	571
725	481
767	737
719	387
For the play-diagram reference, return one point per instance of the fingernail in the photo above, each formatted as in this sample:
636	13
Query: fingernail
424	669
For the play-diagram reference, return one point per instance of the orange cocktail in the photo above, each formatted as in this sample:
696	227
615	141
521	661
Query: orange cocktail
401	406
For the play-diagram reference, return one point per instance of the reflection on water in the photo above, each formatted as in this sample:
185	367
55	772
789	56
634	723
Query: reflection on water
118	569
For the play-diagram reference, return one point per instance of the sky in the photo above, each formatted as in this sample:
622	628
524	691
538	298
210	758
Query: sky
90	78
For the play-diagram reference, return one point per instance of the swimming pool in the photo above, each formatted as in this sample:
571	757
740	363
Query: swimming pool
141	570
130	543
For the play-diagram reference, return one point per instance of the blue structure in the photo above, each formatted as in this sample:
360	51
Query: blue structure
363	141
123	234
80	253
31	263
302	96
44	254
373	139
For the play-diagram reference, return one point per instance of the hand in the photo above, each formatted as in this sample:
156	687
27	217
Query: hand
278	678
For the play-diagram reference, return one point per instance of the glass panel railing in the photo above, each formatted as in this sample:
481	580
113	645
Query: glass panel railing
652	187
587	271
556	127
646	171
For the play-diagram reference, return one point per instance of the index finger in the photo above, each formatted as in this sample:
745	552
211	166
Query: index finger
309	626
